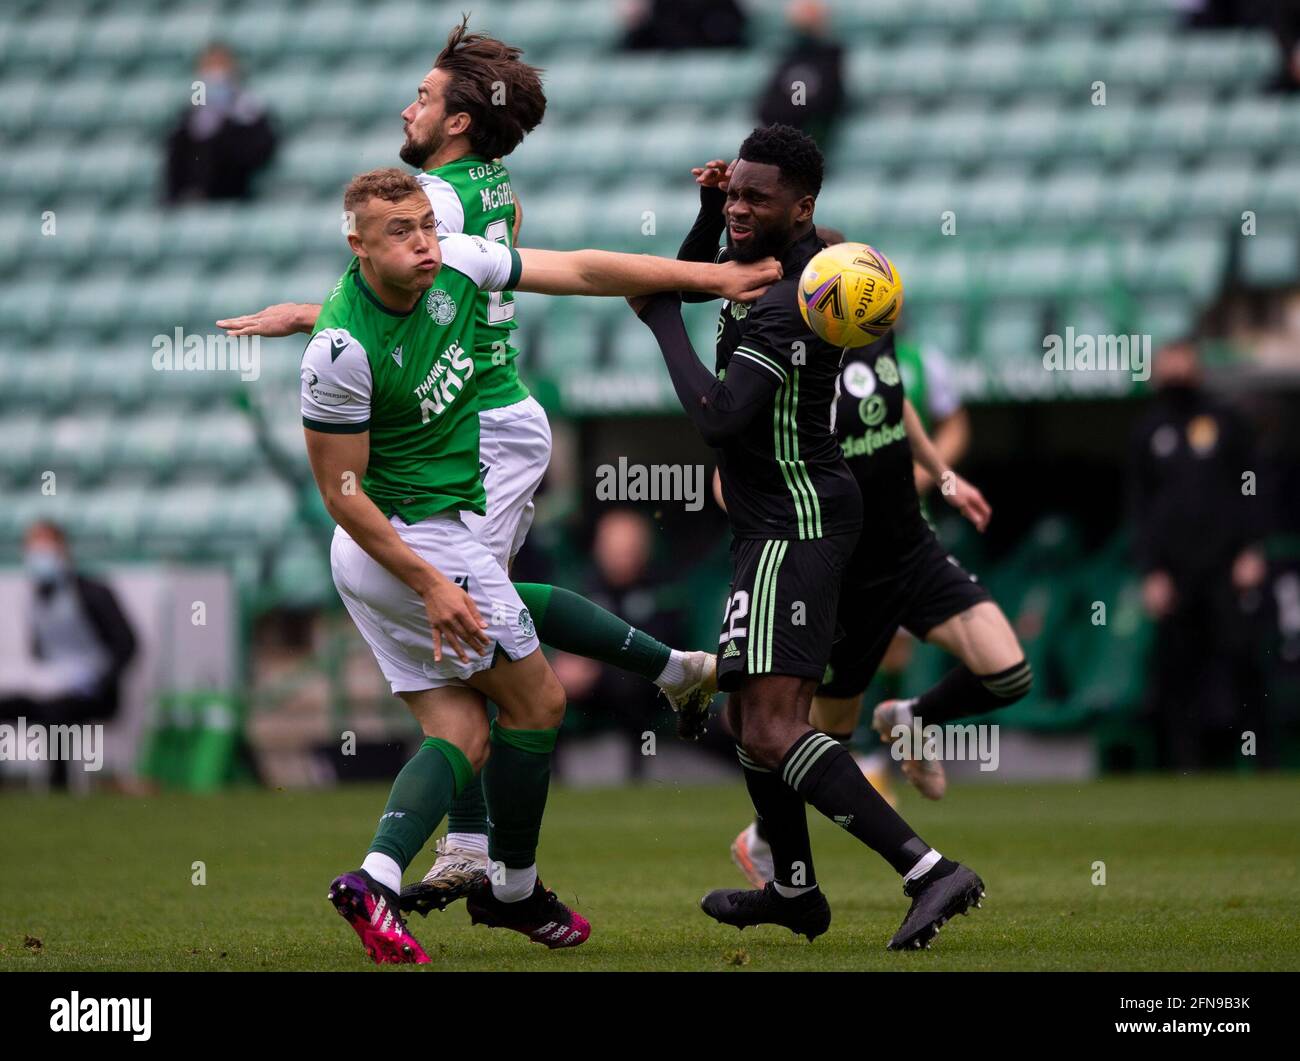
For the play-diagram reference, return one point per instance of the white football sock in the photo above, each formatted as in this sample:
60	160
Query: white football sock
923	866
517	883
475	842
674	672
384	868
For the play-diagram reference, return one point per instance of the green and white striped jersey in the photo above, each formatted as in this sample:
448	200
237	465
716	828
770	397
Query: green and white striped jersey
410	379
473	195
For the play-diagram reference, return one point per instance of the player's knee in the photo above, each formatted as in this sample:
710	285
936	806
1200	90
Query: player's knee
551	706
834	714
1008	686
476	748
767	748
545	708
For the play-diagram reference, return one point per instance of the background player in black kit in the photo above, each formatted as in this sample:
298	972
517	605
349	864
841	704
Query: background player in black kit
795	512
901	575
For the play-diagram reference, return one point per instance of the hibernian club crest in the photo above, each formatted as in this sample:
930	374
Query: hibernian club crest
441	306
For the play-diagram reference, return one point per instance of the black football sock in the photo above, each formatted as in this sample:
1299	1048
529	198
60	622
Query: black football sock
760	829
783	822
824	773
960	693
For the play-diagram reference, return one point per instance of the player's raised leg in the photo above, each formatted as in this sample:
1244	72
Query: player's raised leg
530	703
993	674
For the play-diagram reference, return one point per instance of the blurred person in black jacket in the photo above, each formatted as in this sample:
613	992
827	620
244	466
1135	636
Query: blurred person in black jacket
81	641
806	89
1198	525
221	142
622	582
672	25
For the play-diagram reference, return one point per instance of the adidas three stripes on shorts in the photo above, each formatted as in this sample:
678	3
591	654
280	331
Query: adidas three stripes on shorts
780	616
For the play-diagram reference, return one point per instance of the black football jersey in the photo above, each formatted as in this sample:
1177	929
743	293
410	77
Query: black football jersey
873	438
784	475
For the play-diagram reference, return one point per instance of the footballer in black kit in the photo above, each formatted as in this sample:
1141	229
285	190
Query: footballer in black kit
795	512
899	573
795	508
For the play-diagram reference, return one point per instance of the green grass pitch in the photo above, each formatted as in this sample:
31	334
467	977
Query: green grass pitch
1201	874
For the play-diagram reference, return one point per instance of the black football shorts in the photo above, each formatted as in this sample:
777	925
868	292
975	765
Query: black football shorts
929	588
780	614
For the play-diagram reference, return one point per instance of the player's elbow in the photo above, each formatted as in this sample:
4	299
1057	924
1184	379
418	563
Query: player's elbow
338	501
718	428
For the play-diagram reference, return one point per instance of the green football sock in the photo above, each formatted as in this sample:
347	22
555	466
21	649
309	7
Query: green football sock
571	623
419	798
468	812
515	781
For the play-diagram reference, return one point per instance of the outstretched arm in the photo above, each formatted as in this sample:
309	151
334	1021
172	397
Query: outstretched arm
595	272
718	409
284	318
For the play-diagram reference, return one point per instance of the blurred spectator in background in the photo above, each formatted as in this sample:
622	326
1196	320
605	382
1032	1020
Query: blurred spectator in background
1279	17
1198	525
670	25
806	89
222	139
623	582
80	639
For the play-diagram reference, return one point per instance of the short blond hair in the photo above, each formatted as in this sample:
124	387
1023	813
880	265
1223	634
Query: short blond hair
390	184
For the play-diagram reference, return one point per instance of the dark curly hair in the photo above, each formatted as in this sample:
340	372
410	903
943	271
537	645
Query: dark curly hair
489	81
794	152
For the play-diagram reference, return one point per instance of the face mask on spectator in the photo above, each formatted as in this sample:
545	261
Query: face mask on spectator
220	90
45	565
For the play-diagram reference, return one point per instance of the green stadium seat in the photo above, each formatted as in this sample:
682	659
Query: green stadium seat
1251	123
1222	189
1280	187
1271	257
52	40
1012	331
1184	126
1073	195
1147	193
115	34
992	65
1031	130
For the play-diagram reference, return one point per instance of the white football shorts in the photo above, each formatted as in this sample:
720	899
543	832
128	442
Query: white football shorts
514	450
392	618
